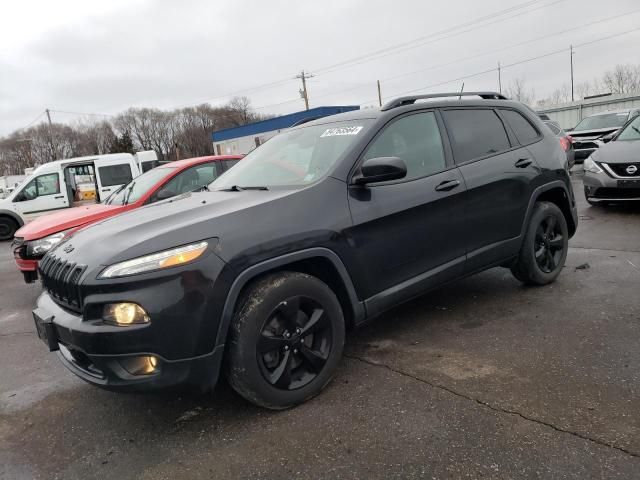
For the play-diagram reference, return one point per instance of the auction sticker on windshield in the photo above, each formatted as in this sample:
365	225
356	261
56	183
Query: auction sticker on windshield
332	132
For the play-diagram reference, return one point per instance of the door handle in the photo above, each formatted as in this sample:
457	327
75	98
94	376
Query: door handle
524	162
447	185
106	190
58	196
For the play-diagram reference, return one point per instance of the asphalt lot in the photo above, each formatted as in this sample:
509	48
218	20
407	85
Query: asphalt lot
481	379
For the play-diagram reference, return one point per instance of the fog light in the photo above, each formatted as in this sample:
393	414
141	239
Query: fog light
124	314
142	365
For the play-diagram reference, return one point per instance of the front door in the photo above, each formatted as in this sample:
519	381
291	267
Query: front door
41	195
407	234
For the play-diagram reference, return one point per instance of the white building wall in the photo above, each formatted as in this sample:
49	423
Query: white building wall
569	114
242	145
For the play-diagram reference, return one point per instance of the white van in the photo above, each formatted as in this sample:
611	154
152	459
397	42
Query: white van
68	183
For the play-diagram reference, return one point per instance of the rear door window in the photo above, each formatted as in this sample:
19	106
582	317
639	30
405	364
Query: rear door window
475	133
522	128
115	174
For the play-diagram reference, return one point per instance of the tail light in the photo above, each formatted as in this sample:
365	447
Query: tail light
565	143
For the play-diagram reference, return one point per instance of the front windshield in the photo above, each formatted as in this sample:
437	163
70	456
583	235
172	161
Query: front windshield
294	158
631	131
607	120
135	189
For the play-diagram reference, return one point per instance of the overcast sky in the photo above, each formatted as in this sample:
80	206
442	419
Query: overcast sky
103	57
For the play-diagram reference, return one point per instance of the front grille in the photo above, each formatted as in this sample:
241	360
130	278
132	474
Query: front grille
620	193
620	169
61	279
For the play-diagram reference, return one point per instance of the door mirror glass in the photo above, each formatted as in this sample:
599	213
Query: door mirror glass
381	169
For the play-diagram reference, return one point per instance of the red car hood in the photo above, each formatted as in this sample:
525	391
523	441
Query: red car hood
66	219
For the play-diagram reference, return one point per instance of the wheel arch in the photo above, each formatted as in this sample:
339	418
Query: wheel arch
12	215
320	262
555	192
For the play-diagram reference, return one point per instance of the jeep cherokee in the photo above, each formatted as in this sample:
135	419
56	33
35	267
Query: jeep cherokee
321	228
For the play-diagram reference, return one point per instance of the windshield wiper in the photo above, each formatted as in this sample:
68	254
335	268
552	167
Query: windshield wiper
126	199
635	128
237	188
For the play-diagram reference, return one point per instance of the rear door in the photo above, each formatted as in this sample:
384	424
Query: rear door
111	174
497	171
408	232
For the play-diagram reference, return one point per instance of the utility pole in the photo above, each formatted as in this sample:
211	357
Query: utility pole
303	92
53	150
571	54
499	78
379	94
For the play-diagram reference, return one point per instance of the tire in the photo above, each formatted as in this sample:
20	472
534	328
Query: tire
8	227
286	340
544	249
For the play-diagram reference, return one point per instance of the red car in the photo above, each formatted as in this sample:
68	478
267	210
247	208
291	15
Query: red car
36	238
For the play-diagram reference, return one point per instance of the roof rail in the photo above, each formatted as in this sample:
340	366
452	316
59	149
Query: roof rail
399	102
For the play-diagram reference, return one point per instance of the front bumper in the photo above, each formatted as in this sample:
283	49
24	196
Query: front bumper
600	187
184	309
27	266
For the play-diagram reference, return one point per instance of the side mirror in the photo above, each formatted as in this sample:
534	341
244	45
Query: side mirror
381	169
165	194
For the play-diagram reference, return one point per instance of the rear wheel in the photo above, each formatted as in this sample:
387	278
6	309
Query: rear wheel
8	227
544	249
286	340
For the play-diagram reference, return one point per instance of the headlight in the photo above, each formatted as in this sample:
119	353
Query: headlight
591	166
156	261
37	248
124	314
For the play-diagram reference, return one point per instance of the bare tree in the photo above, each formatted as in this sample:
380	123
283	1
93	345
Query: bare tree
622	79
517	90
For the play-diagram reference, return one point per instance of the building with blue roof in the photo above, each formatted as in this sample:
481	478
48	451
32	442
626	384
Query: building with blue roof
243	139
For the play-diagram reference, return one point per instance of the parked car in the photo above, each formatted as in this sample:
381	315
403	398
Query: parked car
566	142
65	184
600	126
612	173
36	238
321	228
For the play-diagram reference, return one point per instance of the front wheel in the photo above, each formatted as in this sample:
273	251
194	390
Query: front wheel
286	340
544	249
8	228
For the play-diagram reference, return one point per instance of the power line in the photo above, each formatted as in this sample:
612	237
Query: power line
430	38
32	121
324	70
513	64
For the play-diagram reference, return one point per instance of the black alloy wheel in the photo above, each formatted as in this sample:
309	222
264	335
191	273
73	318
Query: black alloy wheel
549	244
294	343
544	247
285	340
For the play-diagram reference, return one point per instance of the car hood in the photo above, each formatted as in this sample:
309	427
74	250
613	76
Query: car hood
179	221
591	134
626	151
66	219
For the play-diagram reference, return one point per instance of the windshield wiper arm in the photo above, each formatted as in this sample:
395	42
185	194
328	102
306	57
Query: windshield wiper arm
237	188
635	128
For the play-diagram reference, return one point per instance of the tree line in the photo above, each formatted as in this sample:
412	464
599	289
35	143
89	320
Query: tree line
178	133
623	79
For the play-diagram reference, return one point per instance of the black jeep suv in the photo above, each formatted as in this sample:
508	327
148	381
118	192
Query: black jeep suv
321	228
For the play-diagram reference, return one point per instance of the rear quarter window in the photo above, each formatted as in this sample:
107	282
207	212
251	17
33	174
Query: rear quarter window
522	128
